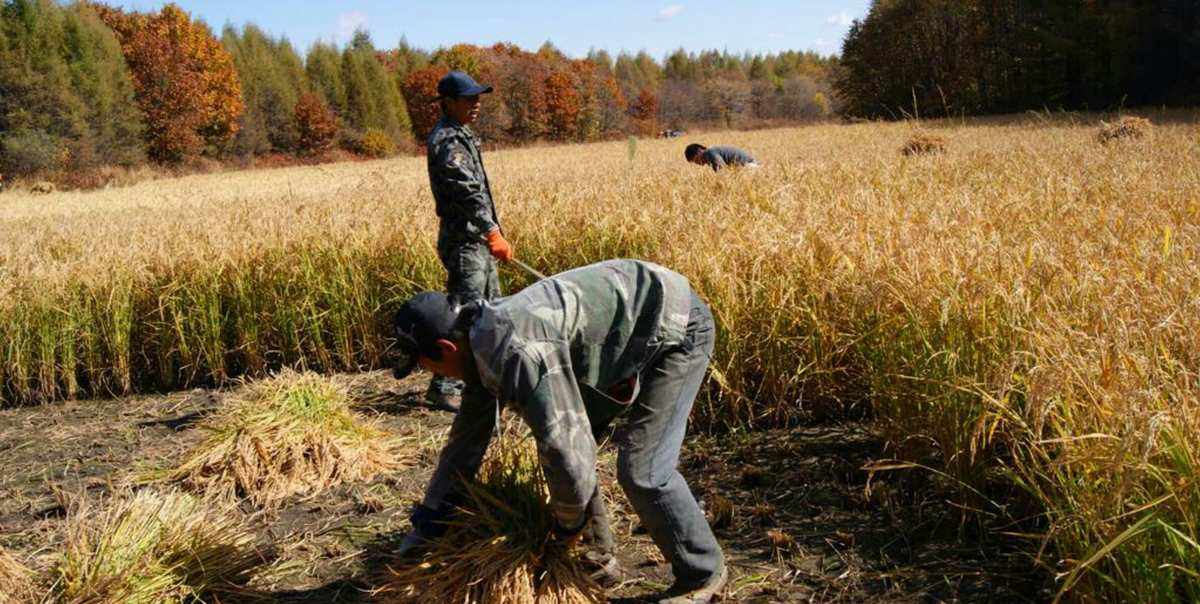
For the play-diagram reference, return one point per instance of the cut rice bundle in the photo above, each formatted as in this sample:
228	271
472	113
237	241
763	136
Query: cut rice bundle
16	580
1128	127
923	143
292	434
499	548
153	548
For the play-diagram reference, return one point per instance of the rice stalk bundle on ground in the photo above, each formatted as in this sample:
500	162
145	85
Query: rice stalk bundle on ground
16	580
1131	127
291	434
923	143
498	550
154	548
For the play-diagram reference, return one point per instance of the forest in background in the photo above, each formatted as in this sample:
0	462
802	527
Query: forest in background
85	86
969	57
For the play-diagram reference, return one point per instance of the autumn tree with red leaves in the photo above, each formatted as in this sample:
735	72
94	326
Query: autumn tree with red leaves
316	125
420	92
562	106
185	81
644	112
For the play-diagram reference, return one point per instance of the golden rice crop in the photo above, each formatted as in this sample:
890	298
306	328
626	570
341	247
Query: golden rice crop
1021	312
291	434
155	548
16	580
498	550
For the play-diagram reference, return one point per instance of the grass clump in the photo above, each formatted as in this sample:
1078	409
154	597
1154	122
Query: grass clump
1131	127
154	548
291	434
498	550
16	580
923	143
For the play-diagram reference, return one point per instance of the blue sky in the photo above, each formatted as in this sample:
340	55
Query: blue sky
657	27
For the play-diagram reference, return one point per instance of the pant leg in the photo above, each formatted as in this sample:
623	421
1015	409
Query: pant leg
648	457
471	275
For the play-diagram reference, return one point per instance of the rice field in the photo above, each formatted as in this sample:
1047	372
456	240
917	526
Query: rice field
1018	313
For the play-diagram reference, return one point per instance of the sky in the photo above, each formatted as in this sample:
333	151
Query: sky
575	28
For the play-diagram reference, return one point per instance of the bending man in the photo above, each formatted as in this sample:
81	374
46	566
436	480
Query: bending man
572	353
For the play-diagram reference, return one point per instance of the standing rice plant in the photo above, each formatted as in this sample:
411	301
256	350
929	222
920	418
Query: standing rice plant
499	548
155	548
290	435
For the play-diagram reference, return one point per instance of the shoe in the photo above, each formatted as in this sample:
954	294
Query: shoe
702	594
603	568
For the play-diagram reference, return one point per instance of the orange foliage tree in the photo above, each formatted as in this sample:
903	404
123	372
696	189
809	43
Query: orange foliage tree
185	81
316	124
420	93
562	106
644	112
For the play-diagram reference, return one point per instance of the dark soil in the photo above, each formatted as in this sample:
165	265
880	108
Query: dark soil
790	506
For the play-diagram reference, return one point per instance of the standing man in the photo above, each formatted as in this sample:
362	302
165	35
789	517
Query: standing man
469	238
718	158
621	338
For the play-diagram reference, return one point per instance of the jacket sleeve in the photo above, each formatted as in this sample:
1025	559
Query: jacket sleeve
456	177
716	161
541	382
462	455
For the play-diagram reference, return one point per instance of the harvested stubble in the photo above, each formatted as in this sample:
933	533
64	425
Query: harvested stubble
16	580
1129	126
498	550
155	548
923	143
293	434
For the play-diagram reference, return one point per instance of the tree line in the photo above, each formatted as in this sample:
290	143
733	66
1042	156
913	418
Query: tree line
85	85
949	57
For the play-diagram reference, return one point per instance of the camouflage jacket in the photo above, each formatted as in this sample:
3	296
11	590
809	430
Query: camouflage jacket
552	350
460	185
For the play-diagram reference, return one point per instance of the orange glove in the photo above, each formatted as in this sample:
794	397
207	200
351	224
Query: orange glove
500	248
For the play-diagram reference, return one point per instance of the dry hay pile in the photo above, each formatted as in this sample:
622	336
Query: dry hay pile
16	580
498	550
291	434
1127	127
923	143
152	548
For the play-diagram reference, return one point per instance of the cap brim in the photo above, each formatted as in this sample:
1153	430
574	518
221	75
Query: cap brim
476	91
405	365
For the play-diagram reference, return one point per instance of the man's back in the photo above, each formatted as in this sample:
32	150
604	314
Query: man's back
719	157
459	183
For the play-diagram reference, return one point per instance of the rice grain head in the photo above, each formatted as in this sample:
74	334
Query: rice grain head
16	580
498	550
152	548
291	434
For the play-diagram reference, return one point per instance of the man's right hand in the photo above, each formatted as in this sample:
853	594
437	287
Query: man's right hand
500	248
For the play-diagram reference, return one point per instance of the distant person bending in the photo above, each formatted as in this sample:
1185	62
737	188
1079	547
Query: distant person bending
718	157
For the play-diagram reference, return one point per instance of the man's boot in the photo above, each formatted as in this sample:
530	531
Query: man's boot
444	393
704	593
600	559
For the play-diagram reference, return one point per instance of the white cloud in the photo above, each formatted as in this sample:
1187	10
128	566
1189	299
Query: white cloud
822	43
350	22
669	12
841	19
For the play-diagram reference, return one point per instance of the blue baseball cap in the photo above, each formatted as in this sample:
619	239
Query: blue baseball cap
457	83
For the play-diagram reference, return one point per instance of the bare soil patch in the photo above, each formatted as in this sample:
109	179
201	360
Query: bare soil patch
789	505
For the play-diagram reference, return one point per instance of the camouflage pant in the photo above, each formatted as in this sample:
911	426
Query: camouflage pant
470	275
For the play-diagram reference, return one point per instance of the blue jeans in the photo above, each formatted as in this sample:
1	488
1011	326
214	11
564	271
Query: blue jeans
648	453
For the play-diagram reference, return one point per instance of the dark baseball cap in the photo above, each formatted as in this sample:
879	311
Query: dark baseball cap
422	321
457	83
